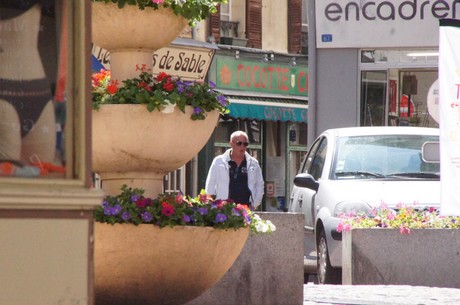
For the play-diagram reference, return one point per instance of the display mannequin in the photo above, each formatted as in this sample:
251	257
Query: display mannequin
27	119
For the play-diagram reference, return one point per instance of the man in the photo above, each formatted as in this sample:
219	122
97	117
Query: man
236	175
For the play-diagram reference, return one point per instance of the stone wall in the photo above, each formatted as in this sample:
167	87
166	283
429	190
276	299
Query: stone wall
269	270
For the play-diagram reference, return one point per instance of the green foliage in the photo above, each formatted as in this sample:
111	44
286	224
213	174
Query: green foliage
192	10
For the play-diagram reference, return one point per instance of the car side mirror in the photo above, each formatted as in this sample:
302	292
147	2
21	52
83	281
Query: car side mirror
306	180
430	152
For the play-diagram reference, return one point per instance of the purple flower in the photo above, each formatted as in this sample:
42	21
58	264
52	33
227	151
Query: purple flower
116	209
203	211
235	212
222	100
221	217
197	110
105	203
135	197
107	210
212	84
146	216
181	87
186	218
126	216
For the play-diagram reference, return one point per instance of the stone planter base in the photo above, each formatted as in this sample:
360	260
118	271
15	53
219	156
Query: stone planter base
135	147
148	265
425	257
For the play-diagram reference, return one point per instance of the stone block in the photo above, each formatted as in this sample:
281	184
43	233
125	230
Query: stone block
425	257
269	270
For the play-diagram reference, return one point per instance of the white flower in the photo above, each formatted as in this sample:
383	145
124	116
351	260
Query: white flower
271	226
262	226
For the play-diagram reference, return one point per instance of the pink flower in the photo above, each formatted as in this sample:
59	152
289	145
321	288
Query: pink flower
158	1
404	230
343	227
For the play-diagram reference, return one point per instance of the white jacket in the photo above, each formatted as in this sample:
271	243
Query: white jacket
218	180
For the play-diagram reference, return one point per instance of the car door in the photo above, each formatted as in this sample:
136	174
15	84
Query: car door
302	199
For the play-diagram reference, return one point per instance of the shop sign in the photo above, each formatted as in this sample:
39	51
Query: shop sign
257	76
381	23
190	63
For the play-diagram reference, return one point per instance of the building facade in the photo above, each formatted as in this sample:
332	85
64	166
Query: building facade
374	63
260	67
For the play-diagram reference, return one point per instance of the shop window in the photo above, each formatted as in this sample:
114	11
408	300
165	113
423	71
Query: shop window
412	103
42	89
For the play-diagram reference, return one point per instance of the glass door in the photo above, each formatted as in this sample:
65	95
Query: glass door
373	98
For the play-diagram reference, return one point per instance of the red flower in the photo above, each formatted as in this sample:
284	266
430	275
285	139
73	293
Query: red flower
143	202
162	75
140	203
142	68
167	210
240	207
145	86
112	87
168	86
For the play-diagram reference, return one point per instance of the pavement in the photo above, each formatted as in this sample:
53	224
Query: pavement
378	295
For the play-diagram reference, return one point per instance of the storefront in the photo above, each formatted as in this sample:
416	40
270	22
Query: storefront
375	62
268	96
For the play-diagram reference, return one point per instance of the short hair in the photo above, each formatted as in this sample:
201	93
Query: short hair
237	134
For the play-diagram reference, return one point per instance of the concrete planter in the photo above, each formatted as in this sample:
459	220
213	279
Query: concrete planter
148	265
425	257
269	270
131	35
136	147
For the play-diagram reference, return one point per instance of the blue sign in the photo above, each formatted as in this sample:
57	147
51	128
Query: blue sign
326	38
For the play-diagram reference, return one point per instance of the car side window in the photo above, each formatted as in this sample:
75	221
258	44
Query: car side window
309	157
318	160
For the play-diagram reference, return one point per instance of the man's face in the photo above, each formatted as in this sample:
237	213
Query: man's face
239	144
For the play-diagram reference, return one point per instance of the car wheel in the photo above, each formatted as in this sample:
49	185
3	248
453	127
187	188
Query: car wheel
326	273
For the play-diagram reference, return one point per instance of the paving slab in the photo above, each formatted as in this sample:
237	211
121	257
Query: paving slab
379	295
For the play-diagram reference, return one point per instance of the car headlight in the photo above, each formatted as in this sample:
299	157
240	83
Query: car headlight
351	208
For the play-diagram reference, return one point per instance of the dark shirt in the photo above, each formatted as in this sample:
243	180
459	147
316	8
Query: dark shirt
238	189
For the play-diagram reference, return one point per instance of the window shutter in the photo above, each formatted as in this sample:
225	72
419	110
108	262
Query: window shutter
214	25
254	23
295	26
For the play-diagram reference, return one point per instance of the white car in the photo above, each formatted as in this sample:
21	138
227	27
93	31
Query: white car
355	169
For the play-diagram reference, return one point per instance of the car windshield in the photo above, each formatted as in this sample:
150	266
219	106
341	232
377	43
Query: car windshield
383	156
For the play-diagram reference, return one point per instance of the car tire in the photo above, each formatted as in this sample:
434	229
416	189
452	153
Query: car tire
326	274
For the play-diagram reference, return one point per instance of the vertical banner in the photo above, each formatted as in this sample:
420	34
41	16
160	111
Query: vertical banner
449	101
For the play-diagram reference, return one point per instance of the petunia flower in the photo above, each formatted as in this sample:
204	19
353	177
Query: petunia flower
146	216
221	217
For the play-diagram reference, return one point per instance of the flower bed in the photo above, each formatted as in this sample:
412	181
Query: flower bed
405	245
402	217
158	93
130	206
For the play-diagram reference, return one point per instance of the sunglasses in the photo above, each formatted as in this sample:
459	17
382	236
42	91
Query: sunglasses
239	143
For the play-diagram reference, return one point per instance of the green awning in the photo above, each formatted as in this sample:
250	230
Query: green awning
265	109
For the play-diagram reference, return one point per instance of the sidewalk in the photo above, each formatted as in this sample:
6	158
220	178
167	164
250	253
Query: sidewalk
378	295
